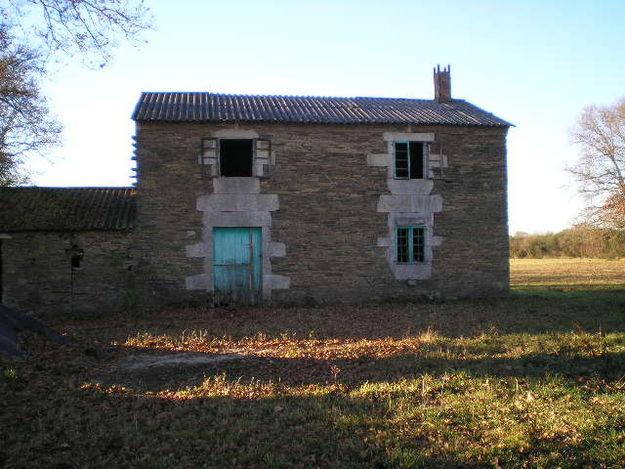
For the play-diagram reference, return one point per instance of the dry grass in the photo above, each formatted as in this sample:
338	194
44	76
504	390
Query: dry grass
527	381
568	274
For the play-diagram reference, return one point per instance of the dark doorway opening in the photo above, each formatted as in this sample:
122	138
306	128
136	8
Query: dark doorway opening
236	158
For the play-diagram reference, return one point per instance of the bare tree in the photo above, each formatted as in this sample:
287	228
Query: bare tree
84	29
26	126
33	33
600	170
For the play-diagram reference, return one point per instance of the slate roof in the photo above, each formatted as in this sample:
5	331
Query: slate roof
66	208
211	107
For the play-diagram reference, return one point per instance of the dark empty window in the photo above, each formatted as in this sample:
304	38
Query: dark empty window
236	158
410	244
75	257
409	160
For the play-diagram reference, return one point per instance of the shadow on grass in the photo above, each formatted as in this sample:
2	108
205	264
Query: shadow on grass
521	312
130	419
570	366
328	425
123	429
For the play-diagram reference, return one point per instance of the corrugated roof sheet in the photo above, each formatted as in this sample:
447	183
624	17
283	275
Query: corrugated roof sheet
66	208
211	107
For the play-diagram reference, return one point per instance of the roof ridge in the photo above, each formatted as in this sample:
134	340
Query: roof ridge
274	95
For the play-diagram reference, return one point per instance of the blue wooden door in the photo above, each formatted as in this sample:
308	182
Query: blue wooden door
237	265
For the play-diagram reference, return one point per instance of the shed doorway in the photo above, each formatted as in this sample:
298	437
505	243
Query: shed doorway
237	265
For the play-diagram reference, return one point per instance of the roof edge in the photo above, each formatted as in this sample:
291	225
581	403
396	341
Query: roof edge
206	106
71	187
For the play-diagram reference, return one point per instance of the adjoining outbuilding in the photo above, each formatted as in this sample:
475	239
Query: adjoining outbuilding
66	249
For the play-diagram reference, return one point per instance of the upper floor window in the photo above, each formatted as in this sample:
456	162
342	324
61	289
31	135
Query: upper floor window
410	244
236	157
409	160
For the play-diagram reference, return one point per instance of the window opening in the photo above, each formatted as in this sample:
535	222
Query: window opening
236	158
75	257
418	244
403	251
409	160
410	244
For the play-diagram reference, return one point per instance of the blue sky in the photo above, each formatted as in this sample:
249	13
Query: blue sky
534	63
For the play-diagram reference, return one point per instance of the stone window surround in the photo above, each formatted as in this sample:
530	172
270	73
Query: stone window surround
237	202
409	203
262	157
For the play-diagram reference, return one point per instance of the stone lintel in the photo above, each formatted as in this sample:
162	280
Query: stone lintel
238	203
234	219
412	219
409	136
235	133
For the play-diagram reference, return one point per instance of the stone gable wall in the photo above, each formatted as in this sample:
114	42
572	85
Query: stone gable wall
327	222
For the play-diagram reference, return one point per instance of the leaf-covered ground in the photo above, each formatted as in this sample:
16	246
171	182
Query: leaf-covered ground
534	380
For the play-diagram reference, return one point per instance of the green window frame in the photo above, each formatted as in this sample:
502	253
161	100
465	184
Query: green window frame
410	244
409	160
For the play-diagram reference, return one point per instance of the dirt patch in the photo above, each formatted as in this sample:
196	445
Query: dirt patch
143	362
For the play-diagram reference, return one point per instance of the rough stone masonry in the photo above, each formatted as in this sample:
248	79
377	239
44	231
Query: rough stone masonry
326	190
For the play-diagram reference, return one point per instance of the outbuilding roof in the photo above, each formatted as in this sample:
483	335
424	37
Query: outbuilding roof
211	107
66	208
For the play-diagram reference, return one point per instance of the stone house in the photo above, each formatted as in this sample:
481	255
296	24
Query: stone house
285	199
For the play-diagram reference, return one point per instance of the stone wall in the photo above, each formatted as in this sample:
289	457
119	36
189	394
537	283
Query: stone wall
327	216
37	273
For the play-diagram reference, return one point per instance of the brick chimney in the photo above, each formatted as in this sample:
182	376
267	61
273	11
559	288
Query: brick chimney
442	84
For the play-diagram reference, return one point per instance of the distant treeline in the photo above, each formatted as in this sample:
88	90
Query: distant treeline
579	241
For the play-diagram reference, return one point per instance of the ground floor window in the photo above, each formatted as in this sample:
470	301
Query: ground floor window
410	244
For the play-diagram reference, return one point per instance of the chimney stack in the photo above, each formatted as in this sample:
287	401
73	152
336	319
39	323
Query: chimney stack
442	84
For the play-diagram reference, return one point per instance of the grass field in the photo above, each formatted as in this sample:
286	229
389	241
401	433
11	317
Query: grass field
568	274
533	380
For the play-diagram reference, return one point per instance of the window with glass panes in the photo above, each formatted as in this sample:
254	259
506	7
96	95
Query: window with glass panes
410	244
409	160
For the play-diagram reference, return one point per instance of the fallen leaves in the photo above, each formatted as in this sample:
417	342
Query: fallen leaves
474	383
